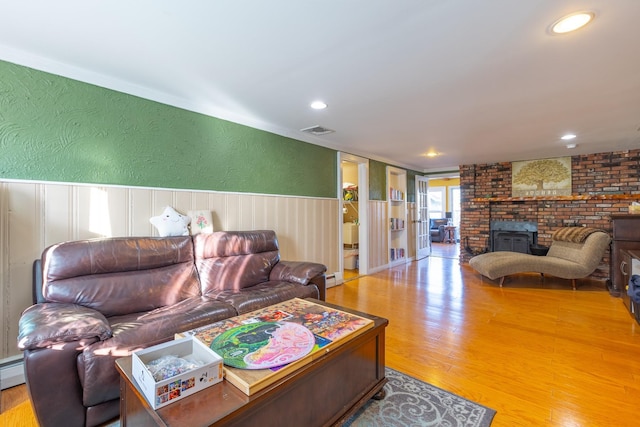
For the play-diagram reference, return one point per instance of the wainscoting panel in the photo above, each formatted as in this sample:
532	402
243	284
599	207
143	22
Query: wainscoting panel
22	219
57	223
378	235
34	215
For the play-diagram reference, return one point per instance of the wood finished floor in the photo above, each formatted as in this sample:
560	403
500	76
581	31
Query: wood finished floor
537	352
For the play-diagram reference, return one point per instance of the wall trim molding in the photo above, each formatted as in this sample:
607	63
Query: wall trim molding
89	184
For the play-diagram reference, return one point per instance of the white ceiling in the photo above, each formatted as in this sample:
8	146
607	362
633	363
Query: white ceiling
477	81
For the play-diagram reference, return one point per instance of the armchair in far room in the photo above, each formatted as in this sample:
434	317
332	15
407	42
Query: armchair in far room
436	229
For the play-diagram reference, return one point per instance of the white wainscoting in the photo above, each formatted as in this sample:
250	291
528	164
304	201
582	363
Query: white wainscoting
378	236
34	215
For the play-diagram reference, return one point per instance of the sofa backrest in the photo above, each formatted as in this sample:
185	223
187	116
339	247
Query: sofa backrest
120	275
233	260
588	254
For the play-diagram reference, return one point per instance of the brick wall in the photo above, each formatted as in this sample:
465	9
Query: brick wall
612	179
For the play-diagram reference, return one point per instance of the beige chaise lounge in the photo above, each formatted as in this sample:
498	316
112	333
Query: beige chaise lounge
575	253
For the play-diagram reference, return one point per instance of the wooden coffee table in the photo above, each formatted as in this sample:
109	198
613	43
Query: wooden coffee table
324	392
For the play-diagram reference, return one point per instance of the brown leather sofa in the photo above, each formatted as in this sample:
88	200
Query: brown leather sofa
102	299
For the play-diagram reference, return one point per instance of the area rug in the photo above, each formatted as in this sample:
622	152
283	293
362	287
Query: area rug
412	403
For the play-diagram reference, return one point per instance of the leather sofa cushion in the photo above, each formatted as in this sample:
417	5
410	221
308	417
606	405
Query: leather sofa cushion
120	275
116	254
45	324
235	260
264	294
230	243
96	364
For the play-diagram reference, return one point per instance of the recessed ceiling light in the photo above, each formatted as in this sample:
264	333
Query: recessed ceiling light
570	146
571	22
568	136
318	105
431	154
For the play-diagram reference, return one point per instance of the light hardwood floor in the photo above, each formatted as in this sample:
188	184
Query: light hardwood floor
537	352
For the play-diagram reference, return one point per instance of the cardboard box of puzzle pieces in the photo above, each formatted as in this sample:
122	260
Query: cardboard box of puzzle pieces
173	370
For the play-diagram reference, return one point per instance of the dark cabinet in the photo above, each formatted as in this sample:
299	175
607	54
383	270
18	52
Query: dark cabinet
629	266
625	274
626	237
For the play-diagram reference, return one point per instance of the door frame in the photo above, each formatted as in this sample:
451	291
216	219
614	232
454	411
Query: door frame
418	219
363	213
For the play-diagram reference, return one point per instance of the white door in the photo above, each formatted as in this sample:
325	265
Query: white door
423	242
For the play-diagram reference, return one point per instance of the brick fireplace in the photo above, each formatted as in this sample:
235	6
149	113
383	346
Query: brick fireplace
602	184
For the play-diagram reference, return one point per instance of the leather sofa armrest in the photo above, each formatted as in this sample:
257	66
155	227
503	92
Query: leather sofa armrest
43	325
304	273
296	272
321	283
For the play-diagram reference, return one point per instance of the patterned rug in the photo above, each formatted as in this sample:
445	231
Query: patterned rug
413	403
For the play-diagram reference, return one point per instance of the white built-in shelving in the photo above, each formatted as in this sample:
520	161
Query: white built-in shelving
397	214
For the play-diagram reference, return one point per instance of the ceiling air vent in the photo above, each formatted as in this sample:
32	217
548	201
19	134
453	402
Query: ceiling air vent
317	130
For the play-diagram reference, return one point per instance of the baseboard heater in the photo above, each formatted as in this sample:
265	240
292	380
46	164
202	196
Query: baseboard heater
11	372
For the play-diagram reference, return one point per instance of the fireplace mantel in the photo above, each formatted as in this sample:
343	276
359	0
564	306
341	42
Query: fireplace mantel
557	198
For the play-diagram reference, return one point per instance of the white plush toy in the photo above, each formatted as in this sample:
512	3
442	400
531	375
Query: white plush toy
171	223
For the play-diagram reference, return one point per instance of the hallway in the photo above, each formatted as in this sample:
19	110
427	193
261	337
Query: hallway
445	250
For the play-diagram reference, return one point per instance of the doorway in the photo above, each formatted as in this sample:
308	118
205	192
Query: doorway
353	194
444	205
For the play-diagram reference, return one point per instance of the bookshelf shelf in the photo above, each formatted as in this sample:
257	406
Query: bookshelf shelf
397	214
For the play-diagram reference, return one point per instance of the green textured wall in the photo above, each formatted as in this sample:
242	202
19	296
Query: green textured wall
378	181
57	129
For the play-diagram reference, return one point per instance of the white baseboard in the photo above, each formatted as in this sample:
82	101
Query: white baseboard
379	268
11	373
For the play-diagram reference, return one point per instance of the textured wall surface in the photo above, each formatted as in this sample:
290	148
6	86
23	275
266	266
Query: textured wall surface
377	180
57	129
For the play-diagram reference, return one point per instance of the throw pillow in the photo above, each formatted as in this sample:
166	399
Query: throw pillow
171	223
201	222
